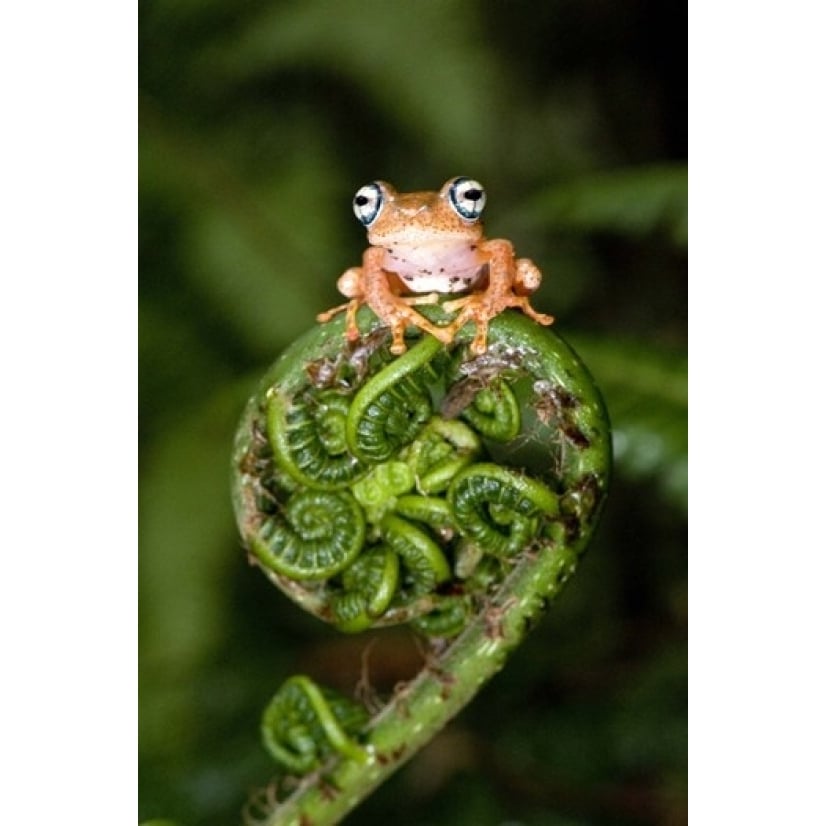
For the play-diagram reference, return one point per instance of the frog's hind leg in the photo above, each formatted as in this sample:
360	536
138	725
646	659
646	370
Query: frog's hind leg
332	312
351	330
350	285
526	282
521	302
351	327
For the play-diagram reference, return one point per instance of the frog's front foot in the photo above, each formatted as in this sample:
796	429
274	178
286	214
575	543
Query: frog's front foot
403	316
480	308
398	317
476	308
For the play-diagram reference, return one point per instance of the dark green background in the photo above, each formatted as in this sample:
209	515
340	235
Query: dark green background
258	121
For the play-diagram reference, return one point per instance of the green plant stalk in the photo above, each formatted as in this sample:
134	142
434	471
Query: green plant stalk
439	692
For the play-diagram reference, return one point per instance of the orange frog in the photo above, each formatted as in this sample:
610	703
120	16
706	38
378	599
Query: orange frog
429	244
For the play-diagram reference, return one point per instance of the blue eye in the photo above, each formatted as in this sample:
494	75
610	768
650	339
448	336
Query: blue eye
367	203
467	197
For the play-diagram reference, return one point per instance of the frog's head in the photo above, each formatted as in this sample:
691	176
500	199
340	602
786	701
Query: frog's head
451	214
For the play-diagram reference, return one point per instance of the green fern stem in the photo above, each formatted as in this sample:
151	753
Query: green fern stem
438	693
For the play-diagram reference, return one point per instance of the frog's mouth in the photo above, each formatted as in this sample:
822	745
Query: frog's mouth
426	233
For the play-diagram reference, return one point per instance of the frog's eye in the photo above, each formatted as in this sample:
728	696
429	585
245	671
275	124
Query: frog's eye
367	203
467	197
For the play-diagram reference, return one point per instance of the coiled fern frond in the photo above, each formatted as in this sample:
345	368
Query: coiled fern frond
450	491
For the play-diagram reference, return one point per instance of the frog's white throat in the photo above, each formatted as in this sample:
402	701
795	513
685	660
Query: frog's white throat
444	267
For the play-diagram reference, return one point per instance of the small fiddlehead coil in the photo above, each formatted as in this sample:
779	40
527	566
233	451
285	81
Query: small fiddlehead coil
307	434
447	619
377	491
368	587
494	412
319	534
499	508
423	560
433	511
304	724
392	407
439	452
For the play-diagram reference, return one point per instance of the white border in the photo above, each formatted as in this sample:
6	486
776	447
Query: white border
68	338
757	551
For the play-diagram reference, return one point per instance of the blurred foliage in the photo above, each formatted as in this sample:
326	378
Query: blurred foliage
258	120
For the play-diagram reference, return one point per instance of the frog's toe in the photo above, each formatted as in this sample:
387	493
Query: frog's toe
456	304
416	300
479	345
443	334
540	318
328	314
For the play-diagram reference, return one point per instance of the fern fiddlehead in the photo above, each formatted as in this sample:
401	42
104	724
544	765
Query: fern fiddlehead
320	534
423	559
498	508
494	412
303	724
368	587
465	502
441	450
393	406
307	434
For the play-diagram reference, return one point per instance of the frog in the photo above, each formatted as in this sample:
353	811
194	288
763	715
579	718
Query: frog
423	247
